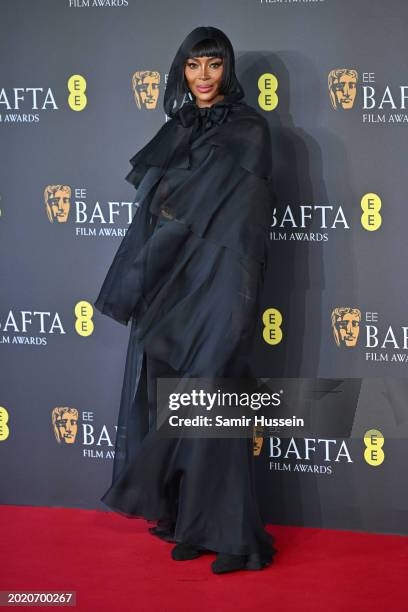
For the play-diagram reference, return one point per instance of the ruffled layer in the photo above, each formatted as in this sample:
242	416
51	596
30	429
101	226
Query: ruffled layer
192	281
234	214
201	303
195	301
238	128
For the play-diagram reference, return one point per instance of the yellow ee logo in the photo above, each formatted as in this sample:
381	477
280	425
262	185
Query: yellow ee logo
84	325
4	430
267	85
371	218
374	441
272	320
77	99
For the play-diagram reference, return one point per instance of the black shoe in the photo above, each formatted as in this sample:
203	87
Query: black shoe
228	563
183	552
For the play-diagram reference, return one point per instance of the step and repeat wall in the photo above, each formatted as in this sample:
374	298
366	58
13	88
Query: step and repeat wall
82	86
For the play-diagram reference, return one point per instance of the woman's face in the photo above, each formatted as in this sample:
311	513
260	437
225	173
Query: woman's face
203	76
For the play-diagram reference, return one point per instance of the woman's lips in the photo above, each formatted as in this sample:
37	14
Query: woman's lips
204	88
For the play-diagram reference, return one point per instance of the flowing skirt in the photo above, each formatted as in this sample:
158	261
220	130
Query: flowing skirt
201	489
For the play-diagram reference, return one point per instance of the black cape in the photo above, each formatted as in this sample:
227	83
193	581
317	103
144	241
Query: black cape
208	171
188	275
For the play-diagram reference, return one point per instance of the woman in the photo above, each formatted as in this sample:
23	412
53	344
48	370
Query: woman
188	275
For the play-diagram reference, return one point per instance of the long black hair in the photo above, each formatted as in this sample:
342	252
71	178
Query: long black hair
202	41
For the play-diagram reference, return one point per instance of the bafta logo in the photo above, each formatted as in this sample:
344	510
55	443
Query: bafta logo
346	326
257	441
65	423
145	84
342	84
57	202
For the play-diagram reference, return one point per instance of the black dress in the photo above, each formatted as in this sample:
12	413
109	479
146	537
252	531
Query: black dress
188	275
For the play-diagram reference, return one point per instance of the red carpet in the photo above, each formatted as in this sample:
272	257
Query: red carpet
114	564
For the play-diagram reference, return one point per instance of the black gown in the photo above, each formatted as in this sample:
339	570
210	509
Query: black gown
188	275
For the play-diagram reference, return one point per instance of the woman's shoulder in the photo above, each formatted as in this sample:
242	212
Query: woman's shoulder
246	124
247	137
158	139
245	114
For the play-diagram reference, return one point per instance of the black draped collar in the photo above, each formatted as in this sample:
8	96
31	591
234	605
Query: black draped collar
201	119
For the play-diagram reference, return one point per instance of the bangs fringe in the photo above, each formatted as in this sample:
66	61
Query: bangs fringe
208	47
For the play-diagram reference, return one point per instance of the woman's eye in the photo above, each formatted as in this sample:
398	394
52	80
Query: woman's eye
216	65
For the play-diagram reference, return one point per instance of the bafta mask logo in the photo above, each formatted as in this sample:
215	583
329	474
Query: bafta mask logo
257	441
146	85
346	326
65	423
342	84
57	202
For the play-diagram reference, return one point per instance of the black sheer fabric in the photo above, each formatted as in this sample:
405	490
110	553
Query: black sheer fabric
205	268
188	275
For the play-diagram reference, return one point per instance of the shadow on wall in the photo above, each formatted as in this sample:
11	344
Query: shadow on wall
301	275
